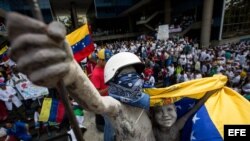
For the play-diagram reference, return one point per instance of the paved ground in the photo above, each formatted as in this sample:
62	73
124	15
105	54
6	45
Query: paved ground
92	134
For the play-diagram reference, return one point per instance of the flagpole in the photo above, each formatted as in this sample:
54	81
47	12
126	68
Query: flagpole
72	118
60	85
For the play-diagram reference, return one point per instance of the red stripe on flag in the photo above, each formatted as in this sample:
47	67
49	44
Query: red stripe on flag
60	112
80	55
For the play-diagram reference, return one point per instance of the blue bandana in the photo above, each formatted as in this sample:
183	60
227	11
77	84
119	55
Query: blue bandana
127	88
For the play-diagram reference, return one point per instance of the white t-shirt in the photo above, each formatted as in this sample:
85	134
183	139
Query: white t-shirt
220	68
203	56
150	81
2	132
5	96
179	78
36	116
197	76
236	79
189	56
204	69
230	74
183	59
170	70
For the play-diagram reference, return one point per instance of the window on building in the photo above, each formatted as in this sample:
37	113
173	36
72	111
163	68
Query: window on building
237	18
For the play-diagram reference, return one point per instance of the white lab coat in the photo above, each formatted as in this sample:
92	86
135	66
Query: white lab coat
4	96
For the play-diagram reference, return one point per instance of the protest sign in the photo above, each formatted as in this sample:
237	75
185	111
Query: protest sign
163	32
29	90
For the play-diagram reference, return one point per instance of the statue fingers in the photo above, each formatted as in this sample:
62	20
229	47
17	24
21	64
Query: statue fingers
65	46
50	75
18	24
39	58
56	31
26	42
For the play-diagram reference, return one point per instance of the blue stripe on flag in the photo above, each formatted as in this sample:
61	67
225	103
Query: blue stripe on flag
199	126
203	127
81	44
53	110
184	105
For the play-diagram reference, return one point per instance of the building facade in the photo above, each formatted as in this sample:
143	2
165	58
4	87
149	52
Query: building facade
211	20
236	18
23	7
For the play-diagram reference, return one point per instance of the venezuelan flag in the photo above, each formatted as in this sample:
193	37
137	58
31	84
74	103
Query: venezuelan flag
3	53
3	50
52	110
80	42
225	107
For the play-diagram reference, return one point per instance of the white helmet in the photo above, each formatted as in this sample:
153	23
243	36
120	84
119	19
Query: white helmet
121	60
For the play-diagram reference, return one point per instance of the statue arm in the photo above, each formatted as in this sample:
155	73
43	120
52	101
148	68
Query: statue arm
84	93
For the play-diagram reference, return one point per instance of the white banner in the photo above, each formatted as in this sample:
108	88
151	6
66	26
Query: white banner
174	30
29	90
163	32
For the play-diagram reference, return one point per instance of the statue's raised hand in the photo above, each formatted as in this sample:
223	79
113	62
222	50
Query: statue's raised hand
40	50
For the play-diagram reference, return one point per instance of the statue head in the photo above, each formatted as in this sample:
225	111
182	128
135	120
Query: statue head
164	116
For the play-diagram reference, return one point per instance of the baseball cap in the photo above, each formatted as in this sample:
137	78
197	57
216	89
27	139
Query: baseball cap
104	54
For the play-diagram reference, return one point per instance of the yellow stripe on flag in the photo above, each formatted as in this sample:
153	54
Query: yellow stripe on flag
77	35
192	89
228	107
3	50
45	112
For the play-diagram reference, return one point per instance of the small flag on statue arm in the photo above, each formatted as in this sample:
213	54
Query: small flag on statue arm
52	110
80	42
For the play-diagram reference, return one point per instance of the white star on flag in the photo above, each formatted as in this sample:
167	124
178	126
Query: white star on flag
191	106
178	106
192	136
195	118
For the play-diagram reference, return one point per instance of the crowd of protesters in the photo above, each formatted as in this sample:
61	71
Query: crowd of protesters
179	59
